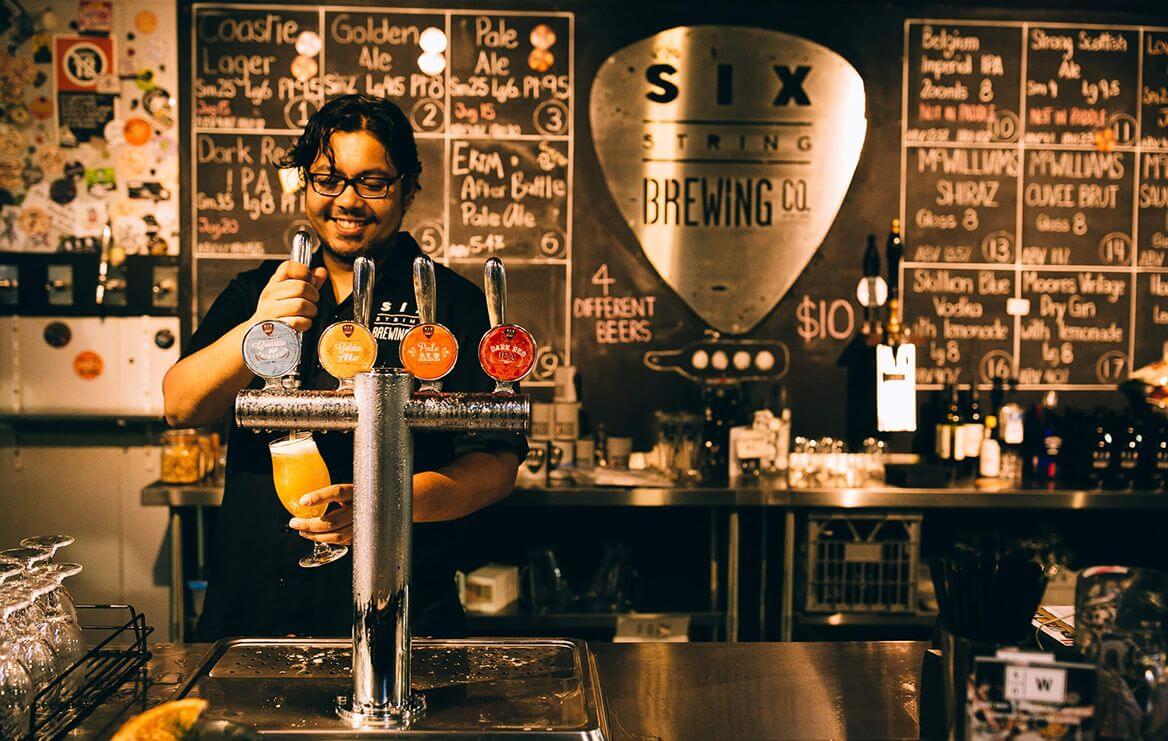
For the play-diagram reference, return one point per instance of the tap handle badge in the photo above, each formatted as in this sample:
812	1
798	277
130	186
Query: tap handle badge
495	286
424	293
363	273
271	349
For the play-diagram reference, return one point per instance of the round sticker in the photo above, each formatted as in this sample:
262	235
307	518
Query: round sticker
12	174
159	105
137	131
146	22
18	114
304	68
51	159
308	43
63	191
156	245
346	349
13	143
41	107
33	221
541	60
23	70
32	175
87	365
507	352
429	351
132	162
271	349
543	37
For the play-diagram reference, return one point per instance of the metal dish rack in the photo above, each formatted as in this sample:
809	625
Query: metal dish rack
117	634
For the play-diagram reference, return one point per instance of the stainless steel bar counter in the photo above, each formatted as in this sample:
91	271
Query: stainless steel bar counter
692	690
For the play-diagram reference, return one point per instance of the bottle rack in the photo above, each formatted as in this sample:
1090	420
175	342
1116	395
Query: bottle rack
118	653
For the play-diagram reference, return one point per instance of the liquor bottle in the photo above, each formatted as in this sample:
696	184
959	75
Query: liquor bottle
1011	419
894	249
997	394
1048	468
989	458
600	446
943	435
1129	447
973	429
948	439
1156	458
873	329
723	410
1101	452
1011	435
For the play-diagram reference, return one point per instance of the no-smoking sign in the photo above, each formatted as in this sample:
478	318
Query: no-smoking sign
82	62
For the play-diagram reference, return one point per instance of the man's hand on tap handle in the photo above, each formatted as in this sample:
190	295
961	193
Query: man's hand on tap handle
291	296
336	525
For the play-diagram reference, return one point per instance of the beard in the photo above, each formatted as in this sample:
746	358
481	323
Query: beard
345	244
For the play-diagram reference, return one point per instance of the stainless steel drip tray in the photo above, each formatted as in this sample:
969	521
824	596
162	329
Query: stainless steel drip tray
494	688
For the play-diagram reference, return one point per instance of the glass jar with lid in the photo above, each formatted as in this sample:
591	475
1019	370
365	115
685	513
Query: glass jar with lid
182	457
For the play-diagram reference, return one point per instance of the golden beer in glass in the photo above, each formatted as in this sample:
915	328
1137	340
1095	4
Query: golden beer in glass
298	469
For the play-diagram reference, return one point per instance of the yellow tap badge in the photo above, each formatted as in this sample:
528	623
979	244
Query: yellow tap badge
346	349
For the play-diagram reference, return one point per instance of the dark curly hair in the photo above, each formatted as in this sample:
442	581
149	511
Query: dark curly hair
380	117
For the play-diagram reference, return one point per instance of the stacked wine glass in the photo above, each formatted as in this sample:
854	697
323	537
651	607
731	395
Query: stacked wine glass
40	637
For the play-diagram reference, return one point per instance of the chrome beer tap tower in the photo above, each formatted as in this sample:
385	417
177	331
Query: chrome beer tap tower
383	409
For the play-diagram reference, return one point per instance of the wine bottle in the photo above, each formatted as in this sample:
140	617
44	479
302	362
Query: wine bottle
1129	448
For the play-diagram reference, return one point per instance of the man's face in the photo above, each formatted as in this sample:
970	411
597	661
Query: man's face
349	225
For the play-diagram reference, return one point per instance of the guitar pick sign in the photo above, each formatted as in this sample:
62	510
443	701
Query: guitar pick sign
728	150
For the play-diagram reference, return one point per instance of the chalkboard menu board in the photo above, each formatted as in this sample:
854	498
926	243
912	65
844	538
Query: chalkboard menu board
1034	190
489	94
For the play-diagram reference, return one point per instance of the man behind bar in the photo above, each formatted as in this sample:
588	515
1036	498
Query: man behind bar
360	164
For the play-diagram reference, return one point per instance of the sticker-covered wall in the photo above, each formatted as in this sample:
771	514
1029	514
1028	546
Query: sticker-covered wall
88	130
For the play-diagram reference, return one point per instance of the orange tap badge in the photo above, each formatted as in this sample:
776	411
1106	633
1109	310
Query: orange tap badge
429	351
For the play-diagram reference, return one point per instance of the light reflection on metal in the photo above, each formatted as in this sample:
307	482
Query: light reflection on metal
728	151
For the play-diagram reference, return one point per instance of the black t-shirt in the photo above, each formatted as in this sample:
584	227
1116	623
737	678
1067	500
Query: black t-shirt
256	586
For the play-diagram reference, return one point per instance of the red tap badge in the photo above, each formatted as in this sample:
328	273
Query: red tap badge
429	351
507	352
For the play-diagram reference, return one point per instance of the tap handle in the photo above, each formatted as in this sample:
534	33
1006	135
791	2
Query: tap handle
107	244
363	271
506	351
495	284
302	243
424	292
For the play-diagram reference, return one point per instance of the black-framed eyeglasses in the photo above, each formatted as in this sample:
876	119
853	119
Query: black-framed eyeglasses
332	185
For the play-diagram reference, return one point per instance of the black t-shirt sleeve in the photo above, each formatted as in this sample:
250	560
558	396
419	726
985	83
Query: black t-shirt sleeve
234	305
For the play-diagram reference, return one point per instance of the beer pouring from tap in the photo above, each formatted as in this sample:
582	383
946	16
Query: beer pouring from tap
348	348
429	350
506	351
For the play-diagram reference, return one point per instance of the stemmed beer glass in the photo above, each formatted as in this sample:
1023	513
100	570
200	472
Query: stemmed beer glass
298	469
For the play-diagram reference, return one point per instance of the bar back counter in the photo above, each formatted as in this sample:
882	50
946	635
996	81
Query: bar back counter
769	568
